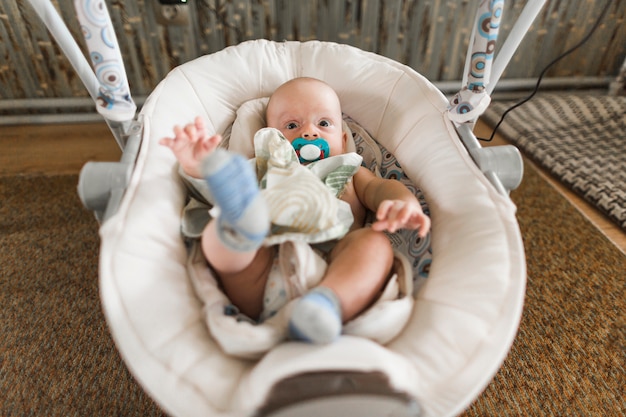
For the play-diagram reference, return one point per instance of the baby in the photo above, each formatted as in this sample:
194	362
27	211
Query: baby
303	109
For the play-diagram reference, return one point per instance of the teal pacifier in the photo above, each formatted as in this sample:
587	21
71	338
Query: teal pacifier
311	150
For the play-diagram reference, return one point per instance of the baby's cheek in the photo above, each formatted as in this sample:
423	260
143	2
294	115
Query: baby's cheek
288	135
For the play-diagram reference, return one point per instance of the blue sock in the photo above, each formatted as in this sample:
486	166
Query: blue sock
244	221
316	317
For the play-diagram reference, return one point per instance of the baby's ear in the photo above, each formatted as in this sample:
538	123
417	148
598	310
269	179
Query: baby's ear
348	142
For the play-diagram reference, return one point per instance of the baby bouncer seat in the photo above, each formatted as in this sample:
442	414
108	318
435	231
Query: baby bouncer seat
464	316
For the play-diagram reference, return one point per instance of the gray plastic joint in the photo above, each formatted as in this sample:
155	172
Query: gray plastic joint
503	161
98	180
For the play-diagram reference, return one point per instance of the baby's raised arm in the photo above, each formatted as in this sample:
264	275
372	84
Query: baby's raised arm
191	144
395	206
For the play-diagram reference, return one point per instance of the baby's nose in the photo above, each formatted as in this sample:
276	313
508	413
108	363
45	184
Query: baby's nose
309	132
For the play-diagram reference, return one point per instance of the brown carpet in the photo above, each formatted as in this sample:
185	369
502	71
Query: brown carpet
57	358
56	355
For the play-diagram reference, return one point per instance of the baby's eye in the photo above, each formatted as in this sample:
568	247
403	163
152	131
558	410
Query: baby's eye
324	123
291	125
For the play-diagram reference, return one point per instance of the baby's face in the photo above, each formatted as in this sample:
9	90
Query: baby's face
309	109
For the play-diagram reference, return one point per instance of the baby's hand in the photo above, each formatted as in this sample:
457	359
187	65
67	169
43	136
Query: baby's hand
393	215
191	145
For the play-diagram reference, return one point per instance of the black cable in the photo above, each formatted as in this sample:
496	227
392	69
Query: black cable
547	67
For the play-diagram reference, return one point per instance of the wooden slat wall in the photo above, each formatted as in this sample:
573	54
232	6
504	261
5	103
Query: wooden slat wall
429	35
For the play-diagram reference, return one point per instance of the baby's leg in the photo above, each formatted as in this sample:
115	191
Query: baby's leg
243	221
358	267
243	275
231	242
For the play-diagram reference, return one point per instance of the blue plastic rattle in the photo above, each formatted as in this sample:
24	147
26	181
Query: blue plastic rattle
311	150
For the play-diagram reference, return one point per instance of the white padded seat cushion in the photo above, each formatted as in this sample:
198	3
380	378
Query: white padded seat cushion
465	315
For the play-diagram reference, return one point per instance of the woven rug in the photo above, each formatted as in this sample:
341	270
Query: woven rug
579	139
